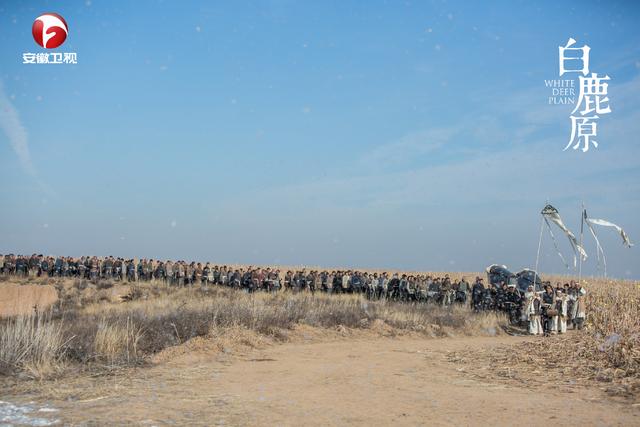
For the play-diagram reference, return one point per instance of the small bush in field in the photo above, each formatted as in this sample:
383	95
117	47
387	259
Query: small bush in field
31	344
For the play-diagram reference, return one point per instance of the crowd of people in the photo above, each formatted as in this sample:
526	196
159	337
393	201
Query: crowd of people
554	309
544	312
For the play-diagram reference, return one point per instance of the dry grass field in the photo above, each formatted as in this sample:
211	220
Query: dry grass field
611	340
605	355
86	328
99	341
83	327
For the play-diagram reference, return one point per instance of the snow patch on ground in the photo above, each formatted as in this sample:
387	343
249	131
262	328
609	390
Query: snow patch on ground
11	414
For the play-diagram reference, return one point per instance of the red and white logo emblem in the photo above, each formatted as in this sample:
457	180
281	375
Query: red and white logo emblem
50	30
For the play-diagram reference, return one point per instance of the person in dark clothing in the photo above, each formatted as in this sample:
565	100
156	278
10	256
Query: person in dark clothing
548	308
476	294
513	304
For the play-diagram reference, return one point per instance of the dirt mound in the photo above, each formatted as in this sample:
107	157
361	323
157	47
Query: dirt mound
225	340
18	300
237	340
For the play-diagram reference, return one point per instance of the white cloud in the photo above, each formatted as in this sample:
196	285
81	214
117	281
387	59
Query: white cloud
16	133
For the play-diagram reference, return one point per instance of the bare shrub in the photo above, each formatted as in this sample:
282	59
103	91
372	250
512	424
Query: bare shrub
33	345
117	341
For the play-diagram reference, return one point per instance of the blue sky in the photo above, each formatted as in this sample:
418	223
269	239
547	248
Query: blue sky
411	135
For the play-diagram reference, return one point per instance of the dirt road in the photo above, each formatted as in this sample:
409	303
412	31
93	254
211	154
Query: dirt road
372	381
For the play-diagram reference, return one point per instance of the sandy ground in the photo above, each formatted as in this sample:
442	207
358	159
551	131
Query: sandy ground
361	381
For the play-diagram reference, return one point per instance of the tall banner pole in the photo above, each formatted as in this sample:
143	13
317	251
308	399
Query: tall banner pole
539	244
582	212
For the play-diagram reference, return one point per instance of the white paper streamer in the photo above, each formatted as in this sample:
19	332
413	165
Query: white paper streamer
625	237
551	214
555	244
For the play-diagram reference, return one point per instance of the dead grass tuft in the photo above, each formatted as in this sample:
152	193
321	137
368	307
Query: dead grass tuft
32	345
117	342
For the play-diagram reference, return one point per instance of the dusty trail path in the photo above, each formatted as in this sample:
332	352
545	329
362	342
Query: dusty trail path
369	381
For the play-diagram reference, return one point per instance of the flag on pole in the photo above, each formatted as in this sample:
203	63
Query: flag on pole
599	250
625	237
551	214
